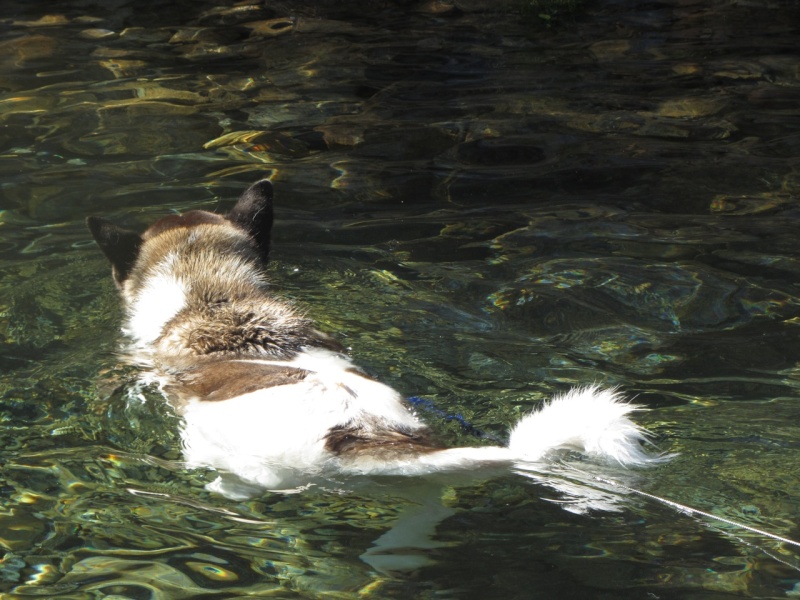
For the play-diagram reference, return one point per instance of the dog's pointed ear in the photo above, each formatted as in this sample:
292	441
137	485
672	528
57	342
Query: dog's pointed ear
121	246
253	213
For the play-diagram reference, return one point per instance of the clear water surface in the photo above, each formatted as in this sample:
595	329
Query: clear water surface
488	202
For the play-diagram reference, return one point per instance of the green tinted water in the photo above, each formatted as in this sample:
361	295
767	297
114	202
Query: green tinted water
485	210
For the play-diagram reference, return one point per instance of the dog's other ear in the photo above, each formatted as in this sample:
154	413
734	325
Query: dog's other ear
253	213
121	246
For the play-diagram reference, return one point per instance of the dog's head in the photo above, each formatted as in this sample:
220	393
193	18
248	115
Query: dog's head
251	215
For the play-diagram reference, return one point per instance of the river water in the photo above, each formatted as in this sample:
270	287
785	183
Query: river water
487	202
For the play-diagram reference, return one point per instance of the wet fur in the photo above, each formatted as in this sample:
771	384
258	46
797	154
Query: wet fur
271	402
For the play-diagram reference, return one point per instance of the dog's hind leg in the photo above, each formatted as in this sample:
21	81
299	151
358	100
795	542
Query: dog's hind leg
407	545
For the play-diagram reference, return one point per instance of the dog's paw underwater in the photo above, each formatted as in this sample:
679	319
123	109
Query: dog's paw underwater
271	402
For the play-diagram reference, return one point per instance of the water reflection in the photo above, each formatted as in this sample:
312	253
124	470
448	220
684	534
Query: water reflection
485	210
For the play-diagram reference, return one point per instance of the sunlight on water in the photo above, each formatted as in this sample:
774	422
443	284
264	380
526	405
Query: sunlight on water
486	203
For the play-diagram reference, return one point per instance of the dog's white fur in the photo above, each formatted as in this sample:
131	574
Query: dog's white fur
294	408
162	297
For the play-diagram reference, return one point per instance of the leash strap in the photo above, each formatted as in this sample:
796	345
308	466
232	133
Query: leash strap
468	427
688	510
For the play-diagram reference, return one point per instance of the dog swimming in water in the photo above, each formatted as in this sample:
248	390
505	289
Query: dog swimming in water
272	403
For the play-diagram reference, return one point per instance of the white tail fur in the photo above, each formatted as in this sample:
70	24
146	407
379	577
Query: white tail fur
590	419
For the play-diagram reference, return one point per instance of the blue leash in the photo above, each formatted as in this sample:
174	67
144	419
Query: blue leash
468	427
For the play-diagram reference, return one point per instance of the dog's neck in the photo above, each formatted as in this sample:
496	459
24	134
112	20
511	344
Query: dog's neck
189	299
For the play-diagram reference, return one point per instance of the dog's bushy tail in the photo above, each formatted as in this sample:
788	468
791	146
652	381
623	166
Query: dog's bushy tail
591	420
